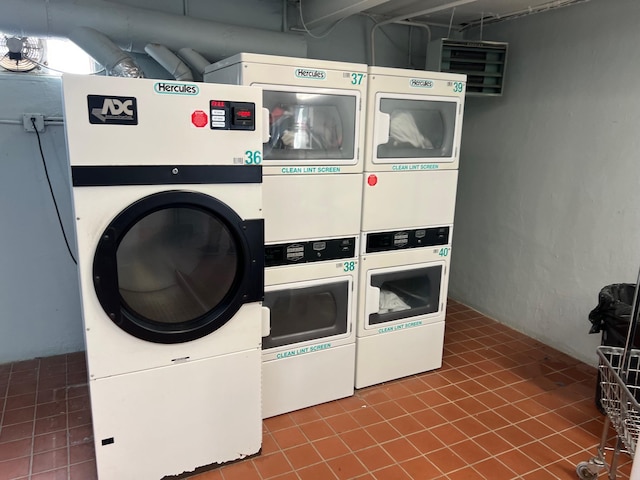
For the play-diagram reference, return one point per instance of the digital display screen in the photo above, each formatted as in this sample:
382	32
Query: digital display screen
218	103
243	113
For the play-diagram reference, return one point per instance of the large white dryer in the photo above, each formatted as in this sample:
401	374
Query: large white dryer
312	208
170	242
414	126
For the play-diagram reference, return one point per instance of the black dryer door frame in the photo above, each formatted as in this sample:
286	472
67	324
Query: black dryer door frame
248	285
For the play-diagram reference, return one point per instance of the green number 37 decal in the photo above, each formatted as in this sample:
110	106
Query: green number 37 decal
356	78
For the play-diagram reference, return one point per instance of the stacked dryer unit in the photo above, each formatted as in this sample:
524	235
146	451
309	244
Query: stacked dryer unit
414	124
170	256
312	207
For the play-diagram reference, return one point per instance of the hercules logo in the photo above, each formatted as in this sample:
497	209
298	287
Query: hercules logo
112	110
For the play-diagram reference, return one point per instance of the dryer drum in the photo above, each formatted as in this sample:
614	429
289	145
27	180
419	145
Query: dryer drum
176	266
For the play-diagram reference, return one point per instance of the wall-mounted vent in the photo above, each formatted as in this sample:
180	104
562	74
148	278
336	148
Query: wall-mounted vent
483	62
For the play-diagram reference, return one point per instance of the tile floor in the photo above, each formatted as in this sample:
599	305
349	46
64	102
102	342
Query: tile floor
503	406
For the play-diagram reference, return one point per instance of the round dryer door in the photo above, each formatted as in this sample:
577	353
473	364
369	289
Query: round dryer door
176	266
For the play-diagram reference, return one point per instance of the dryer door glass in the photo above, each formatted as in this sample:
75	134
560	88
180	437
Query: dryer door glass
411	128
405	293
310	126
175	265
299	314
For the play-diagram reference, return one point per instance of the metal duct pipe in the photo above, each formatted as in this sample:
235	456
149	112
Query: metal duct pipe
192	58
116	62
167	59
132	28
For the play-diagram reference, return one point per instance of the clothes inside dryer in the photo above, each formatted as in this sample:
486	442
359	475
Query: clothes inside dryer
417	128
176	264
310	126
406	293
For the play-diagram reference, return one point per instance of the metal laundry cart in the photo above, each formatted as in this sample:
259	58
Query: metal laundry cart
620	390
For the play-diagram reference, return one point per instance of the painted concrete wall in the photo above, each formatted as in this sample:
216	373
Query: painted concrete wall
38	281
38	284
549	176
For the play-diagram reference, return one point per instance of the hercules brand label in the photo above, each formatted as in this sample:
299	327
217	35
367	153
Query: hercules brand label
310	73
420	83
176	88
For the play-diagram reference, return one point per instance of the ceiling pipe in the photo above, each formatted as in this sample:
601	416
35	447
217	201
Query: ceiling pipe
196	61
116	62
169	61
132	28
407	16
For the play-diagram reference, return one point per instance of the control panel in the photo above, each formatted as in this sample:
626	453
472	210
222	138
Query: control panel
401	239
227	115
312	251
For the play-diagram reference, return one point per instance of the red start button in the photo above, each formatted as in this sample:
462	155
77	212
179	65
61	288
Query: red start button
199	118
372	180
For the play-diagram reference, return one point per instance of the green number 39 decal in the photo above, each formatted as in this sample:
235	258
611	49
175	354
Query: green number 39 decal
356	78
349	266
254	157
457	87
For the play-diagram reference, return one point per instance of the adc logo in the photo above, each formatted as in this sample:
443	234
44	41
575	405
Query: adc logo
112	110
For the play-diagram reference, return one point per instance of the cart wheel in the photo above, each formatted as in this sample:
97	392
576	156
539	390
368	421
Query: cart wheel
584	472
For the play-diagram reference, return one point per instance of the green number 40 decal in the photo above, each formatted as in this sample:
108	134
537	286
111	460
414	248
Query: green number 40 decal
457	87
356	78
349	266
443	252
254	157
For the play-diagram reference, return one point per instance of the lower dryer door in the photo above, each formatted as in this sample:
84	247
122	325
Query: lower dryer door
175	266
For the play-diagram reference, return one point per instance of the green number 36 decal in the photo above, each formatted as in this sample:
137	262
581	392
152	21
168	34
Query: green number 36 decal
254	157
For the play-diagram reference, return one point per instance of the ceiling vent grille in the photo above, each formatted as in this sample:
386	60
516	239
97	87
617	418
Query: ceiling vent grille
482	62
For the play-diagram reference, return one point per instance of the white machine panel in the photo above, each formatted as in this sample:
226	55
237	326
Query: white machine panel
382	358
304	207
157	122
142	416
394	200
298	382
316	109
414	118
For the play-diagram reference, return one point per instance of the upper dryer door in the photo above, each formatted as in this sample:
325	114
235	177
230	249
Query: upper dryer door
414	132
312	130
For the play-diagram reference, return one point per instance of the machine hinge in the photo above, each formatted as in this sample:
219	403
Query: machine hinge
455	152
358	157
360	105
459	108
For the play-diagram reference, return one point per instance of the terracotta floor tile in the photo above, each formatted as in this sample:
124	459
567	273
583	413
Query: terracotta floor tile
59	474
51	460
271	465
357	439
446	460
14	468
382	432
346	467
302	456
316	429
289	437
305	415
420	468
390	409
470	451
331	447
17	431
83	471
503	406
343	422
495	470
393	472
425	441
401	449
374	458
320	471
15	449
406	424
